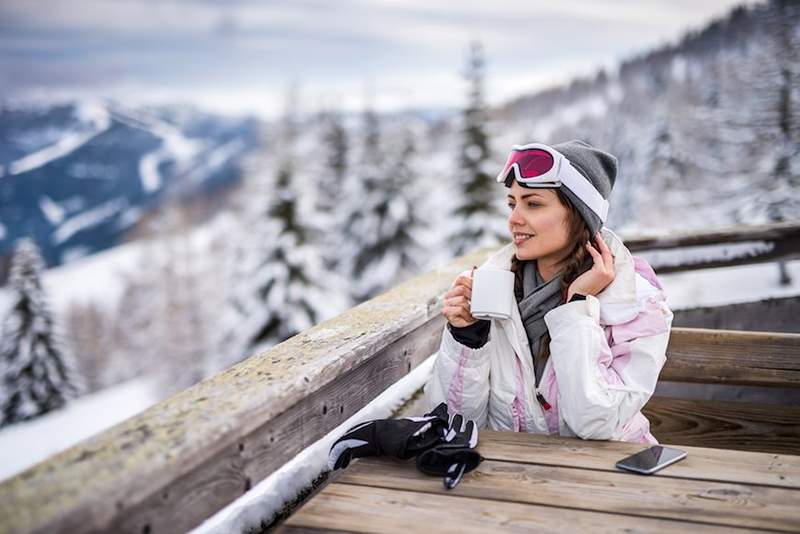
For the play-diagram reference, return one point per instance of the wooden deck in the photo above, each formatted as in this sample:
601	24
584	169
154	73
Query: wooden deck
532	482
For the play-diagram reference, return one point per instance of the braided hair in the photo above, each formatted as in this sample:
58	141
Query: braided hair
577	261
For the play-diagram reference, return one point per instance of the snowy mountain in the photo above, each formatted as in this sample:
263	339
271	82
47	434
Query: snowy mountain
76	176
707	130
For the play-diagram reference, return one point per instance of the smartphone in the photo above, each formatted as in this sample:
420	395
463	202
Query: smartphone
651	460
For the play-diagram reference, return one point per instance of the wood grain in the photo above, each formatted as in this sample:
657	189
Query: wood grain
354	508
700	501
725	425
700	464
733	357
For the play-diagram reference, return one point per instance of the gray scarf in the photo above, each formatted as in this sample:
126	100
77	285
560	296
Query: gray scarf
538	298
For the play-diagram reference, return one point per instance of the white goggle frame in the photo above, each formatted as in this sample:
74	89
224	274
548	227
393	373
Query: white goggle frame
562	172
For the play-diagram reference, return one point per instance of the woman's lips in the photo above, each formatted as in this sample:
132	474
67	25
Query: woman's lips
520	238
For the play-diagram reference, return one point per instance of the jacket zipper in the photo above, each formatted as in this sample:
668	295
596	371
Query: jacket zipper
542	401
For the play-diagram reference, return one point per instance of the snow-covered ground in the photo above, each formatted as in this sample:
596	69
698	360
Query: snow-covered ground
100	277
28	443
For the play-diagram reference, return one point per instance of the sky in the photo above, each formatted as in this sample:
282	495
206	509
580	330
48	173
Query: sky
241	56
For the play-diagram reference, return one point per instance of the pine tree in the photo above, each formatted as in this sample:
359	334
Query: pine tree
37	374
330	193
381	246
282	288
478	220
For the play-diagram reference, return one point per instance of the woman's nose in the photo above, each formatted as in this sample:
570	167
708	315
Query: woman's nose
514	218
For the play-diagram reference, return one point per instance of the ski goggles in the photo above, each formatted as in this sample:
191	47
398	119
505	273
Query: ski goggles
538	166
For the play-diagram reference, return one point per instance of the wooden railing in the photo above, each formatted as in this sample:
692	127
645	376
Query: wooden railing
172	466
723	247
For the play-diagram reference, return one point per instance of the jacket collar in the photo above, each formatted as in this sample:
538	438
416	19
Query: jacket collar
618	302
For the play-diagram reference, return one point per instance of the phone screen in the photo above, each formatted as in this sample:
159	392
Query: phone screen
649	459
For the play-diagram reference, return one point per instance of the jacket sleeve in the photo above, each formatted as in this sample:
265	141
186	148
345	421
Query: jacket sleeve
460	377
602	389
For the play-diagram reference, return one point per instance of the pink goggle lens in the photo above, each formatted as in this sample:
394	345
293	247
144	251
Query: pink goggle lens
532	163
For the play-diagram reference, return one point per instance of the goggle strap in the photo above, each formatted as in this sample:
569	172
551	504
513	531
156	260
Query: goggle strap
584	190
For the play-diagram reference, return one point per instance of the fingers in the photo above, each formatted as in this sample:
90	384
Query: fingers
463	280
456	304
598	259
603	256
458	315
457	291
608	258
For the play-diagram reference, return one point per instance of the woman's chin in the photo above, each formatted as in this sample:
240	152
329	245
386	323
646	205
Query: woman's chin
522	253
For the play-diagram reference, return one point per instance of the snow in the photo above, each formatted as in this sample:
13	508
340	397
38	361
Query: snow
729	285
52	211
703	253
221	154
148	171
25	444
97	278
174	147
88	219
263	501
93	113
100	277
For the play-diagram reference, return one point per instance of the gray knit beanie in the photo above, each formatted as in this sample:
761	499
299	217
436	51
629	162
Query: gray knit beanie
599	167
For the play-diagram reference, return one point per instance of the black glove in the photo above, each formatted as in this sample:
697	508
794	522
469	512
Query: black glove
455	456
398	438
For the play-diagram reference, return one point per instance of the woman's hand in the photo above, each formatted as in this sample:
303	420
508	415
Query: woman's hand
599	276
457	302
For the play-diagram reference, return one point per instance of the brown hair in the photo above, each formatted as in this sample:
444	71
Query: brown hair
573	265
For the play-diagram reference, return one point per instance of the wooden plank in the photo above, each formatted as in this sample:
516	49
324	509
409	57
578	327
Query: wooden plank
701	463
174	465
767	243
733	357
777	314
786	231
354	508
725	425
700	501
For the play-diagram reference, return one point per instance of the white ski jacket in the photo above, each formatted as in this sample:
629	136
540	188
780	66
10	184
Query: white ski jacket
606	353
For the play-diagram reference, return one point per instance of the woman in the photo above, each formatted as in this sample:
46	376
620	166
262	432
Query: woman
581	353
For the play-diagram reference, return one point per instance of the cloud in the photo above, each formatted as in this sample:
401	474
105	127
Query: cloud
250	47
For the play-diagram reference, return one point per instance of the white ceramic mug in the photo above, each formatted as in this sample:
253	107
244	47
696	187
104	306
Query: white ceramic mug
492	294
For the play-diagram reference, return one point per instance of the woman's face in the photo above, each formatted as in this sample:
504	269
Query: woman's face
539	214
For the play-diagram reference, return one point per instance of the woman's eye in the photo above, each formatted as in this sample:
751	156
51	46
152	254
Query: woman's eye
532	204
510	206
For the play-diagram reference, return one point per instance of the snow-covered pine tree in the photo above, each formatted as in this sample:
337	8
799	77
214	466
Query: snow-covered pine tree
380	247
282	287
477	219
771	117
406	204
333	170
36	370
